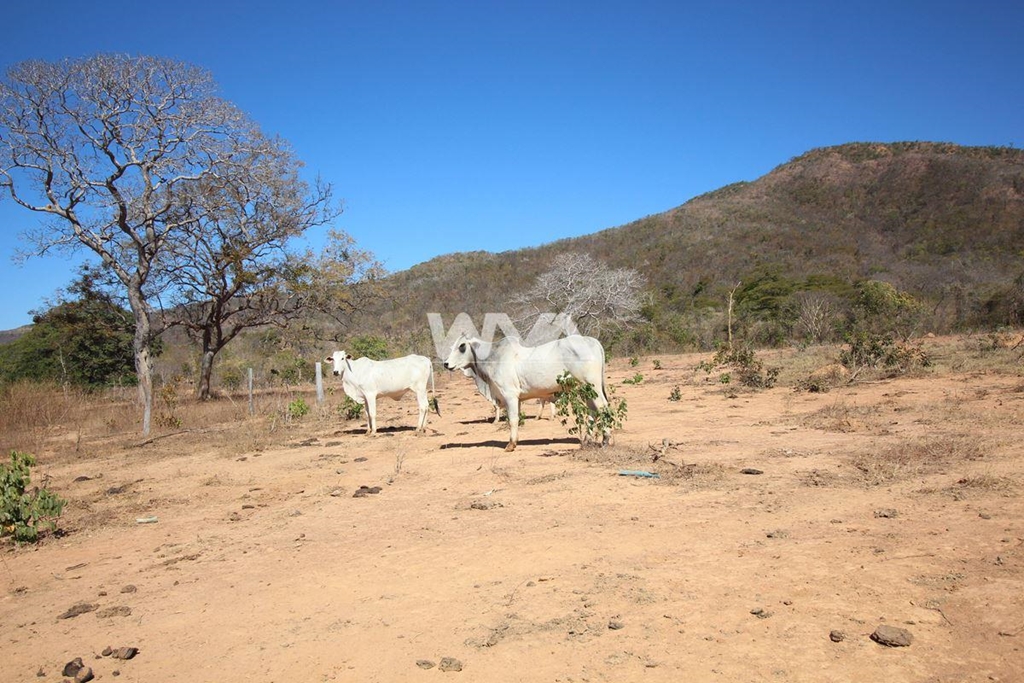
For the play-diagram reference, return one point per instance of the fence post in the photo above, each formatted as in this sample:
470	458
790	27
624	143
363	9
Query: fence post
252	405
319	385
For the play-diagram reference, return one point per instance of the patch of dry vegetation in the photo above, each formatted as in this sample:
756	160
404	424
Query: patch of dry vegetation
657	460
914	458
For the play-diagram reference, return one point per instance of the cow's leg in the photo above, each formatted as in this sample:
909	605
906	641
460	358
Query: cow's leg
370	403
424	404
512	409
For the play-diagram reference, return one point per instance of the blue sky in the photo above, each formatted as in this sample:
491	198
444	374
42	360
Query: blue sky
463	125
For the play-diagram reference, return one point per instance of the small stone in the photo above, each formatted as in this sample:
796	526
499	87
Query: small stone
778	533
836	636
40	673
892	636
73	667
760	613
129	589
84	675
107	651
425	664
75	610
886	513
336	492
984	515
751	470
119	611
360	460
125	652
615	624
450	664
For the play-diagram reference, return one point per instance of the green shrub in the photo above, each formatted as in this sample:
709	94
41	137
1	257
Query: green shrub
351	410
23	514
750	370
676	394
589	425
374	348
635	379
297	409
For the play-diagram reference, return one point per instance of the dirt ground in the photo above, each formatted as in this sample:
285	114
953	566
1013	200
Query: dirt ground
893	501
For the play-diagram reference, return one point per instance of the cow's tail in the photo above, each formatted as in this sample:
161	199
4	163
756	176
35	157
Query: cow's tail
434	401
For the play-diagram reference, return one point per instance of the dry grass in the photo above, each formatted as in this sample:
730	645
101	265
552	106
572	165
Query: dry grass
914	458
841	416
658	460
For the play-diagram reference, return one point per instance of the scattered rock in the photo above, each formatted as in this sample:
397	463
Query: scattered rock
360	459
73	667
778	533
425	664
40	673
892	636
485	504
125	652
146	520
130	588
364	491
984	515
751	470
336	492
615	624
886	513
107	651
449	664
119	611
84	675
75	610
81	478
115	490
836	636
760	613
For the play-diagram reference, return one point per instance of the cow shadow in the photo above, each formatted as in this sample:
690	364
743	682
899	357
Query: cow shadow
380	430
493	443
479	421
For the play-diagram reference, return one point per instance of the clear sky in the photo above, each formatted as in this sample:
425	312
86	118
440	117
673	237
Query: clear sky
455	125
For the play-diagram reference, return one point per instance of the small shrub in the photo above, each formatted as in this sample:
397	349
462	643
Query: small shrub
750	370
635	379
23	514
675	395
657	364
634	361
504	417
882	350
297	409
589	425
351	410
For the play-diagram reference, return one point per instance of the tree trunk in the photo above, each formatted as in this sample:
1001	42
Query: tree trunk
205	374
143	360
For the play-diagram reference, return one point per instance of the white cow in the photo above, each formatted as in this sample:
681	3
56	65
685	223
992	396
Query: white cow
513	372
485	391
364	380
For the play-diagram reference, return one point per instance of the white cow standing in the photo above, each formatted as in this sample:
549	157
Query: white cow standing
513	372
364	380
485	391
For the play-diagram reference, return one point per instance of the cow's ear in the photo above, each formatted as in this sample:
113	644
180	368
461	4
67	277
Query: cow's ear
329	359
348	356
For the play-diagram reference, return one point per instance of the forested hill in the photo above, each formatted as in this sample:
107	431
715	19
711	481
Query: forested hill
940	221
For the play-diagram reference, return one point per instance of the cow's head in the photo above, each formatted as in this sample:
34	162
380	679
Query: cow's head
337	361
462	354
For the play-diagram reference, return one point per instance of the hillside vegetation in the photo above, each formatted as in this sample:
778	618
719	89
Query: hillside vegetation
942	222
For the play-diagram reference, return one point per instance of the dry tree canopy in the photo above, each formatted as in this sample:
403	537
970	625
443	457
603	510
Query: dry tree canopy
589	292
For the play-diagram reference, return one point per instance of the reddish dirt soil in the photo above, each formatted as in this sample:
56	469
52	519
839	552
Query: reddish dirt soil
887	502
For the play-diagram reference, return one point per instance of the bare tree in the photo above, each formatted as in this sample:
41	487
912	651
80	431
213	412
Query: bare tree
817	313
111	149
593	295
232	267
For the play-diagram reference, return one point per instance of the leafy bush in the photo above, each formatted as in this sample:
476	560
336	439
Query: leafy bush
374	348
297	409
23	514
635	379
750	370
589	425
351	410
881	350
676	394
